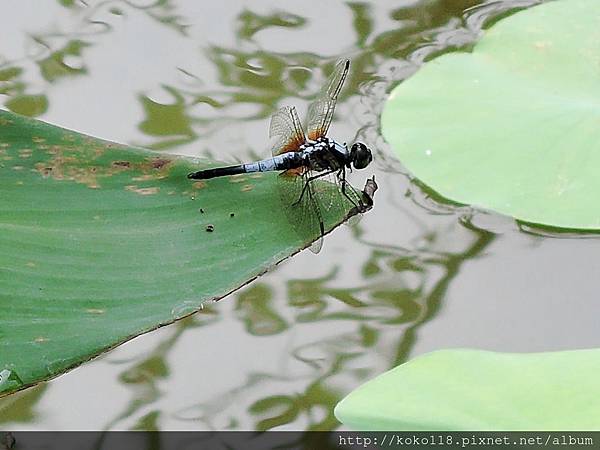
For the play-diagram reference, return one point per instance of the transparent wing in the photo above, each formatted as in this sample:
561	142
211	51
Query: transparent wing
346	196
321	110
343	197
287	128
308	197
302	207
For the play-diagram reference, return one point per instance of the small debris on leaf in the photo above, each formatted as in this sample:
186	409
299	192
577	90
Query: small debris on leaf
210	228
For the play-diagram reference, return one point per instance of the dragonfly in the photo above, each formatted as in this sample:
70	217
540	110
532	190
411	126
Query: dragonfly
304	158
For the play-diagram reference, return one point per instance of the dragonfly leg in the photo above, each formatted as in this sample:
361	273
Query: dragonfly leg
342	178
306	182
318	212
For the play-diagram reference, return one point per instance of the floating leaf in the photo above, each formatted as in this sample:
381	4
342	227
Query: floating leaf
480	390
513	126
100	242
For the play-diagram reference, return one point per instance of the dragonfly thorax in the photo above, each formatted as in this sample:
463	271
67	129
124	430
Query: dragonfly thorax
325	154
328	154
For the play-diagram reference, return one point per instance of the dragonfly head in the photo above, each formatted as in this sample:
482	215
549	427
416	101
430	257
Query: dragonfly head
360	155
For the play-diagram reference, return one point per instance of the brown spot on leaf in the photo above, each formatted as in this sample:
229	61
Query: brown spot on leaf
66	165
121	164
95	311
142	191
237	179
145	177
199	185
159	163
71	162
246	188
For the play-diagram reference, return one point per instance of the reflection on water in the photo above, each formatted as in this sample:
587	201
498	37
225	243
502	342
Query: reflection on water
281	352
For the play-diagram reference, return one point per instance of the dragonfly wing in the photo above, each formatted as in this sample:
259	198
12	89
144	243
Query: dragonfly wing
306	203
349	197
287	129
336	194
320	112
298	202
302	208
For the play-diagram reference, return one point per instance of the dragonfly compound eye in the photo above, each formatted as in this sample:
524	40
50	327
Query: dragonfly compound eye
361	155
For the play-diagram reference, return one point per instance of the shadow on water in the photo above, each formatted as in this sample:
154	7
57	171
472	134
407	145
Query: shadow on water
365	326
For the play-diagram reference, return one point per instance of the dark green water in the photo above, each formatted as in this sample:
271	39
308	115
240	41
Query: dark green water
413	276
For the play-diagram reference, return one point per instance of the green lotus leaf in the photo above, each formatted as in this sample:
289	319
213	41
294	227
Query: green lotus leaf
514	125
101	242
479	390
